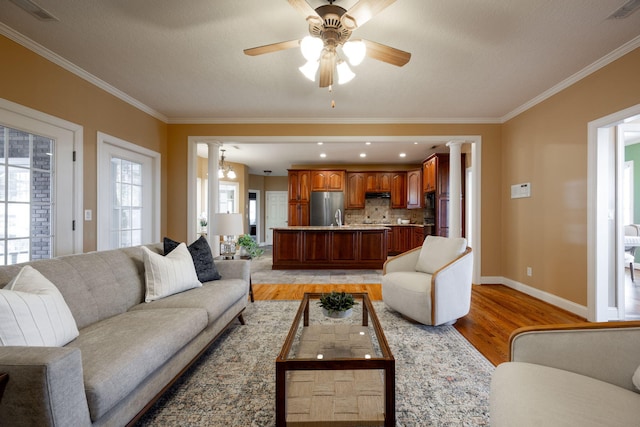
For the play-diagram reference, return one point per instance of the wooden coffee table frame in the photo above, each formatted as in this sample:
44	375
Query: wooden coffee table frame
385	363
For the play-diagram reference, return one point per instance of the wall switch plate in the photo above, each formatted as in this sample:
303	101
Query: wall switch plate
519	191
529	271
87	214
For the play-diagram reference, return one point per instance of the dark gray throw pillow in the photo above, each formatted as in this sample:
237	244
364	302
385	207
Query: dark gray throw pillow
202	258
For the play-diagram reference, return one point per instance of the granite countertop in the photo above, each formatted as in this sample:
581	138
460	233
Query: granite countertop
336	228
346	227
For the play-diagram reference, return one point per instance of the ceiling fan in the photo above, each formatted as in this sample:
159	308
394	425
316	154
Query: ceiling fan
330	27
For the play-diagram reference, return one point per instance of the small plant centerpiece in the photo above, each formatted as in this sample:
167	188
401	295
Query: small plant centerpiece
337	304
250	246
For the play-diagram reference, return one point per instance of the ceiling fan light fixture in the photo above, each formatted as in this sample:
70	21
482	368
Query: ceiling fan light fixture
345	75
310	69
311	48
355	51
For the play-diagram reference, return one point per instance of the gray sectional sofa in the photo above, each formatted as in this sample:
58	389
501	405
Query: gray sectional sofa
128	352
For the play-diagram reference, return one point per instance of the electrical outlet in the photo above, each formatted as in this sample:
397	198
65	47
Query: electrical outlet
529	271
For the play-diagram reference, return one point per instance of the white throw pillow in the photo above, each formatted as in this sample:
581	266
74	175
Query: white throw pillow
170	274
636	378
438	251
34	313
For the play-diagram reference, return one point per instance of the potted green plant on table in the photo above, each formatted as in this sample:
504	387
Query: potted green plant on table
337	304
250	246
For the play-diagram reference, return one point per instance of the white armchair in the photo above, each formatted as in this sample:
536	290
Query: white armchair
430	284
584	374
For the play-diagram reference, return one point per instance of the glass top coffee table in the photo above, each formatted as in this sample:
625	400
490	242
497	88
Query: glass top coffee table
335	372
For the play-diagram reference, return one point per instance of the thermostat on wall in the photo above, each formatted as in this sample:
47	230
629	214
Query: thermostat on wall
519	191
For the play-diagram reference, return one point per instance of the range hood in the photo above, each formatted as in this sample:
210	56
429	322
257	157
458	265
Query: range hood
377	195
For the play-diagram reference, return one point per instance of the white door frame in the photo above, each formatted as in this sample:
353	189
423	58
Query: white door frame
258	218
104	173
603	236
33	121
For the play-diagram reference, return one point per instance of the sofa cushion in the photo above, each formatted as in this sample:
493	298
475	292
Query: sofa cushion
170	274
215	298
120	352
201	255
34	313
525	394
436	252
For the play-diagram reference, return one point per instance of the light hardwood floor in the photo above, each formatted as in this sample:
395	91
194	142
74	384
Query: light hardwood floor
496	311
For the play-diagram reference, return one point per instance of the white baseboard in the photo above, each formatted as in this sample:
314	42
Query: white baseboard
559	302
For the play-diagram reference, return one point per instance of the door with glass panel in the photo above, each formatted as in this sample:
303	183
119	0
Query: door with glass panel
28	198
125	198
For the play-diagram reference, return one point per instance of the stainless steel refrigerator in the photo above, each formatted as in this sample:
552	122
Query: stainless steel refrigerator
324	205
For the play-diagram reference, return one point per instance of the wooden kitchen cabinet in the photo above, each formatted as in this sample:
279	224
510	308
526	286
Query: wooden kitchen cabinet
377	181
299	186
400	239
355	190
327	180
299	195
398	190
438	166
298	214
417	237
415	198
429	168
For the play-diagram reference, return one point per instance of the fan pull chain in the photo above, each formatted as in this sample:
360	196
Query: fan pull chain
333	102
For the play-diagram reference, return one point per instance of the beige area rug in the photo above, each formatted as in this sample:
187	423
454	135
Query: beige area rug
441	379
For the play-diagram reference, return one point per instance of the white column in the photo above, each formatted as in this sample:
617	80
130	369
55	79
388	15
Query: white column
455	188
212	194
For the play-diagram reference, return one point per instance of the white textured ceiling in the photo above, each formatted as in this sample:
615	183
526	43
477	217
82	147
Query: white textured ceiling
472	61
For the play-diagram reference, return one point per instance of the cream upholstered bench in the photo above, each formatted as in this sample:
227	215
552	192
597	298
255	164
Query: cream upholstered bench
430	284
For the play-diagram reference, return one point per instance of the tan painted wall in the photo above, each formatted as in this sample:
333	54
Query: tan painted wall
491	163
547	146
30	80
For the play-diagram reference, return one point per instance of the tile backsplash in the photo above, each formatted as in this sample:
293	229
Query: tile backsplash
378	211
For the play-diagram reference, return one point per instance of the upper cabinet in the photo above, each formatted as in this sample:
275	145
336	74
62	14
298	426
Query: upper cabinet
429	168
415	198
299	186
355	190
398	190
377	181
331	180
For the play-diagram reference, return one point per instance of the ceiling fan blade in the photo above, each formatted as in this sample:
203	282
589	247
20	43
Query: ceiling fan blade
362	11
269	48
386	53
327	65
306	10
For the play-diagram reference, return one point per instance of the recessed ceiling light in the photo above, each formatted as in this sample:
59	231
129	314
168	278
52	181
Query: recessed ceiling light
323	155
368	143
363	155
415	143
320	143
403	154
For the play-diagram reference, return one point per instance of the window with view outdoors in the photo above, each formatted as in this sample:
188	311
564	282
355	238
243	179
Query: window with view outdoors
126	194
26	195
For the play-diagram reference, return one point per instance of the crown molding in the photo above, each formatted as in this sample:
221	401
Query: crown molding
26	42
342	120
590	69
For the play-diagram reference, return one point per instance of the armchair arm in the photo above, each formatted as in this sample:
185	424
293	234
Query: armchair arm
406	261
45	387
451	289
608	351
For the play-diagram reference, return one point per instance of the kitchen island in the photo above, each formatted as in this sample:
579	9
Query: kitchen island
319	247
